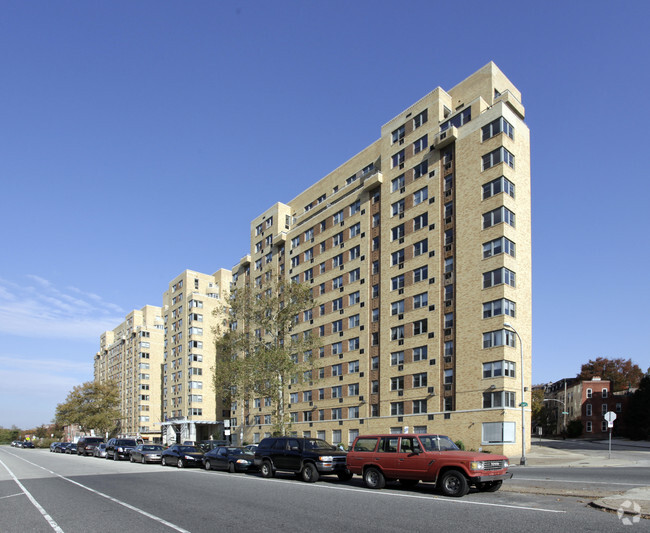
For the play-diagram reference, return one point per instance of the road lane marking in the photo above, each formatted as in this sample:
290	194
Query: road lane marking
12	495
114	500
400	495
31	498
575	481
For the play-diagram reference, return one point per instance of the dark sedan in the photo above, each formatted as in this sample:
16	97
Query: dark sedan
147	453
70	447
53	446
27	444
182	456
60	447
229	458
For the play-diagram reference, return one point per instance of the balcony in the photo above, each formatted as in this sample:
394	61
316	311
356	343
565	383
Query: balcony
445	137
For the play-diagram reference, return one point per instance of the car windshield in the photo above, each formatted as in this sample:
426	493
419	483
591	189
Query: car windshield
126	442
318	444
189	449
437	443
239	451
152	448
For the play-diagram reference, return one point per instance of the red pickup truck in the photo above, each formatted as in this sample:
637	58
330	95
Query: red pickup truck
432	458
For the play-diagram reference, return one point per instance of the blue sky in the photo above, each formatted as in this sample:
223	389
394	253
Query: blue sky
110	111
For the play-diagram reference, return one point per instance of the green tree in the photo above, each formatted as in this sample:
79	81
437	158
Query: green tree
258	353
636	418
622	373
542	413
92	405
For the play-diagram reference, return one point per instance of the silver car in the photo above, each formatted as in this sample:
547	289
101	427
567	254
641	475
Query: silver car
147	453
100	450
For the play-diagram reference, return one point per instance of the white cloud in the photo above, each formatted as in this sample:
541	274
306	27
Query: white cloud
40	309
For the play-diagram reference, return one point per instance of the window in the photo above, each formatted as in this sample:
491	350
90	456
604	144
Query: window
397	333
420	380
337	326
500	155
353	389
353	344
498	432
420	221
337	218
337	282
449	348
351	180
497	216
353	321
374	387
397	358
337	370
354	298
498	399
374	362
420	144
397	232
604	393
458	120
337	304
398	134
420	327
497	186
397	307
420	300
397	257
502	245
337	414
589	393
604	408
353	412
420	169
420	274
420	247
449	320
309	255
420	196
398	159
355	207
397	183
603	426
397	282
497	369
588	409
355	230
337	260
397	208
396	409
497	277
495	127
337	348
355	252
353	367
419	353
499	307
337	391
420	119
502	337
449	377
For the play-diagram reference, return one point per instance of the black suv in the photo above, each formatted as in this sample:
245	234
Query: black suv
117	449
87	445
304	456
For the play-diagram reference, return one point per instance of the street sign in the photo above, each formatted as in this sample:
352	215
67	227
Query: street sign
523	404
610	416
565	412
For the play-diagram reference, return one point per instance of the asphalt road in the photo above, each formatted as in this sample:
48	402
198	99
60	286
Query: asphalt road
45	492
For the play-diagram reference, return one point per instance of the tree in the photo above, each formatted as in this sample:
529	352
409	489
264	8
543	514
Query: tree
258	354
636	418
622	373
92	405
541	413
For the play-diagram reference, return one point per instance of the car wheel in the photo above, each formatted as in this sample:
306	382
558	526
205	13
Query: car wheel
180	463
163	462
310	473
116	457
266	469
345	476
208	466
373	478
131	459
142	460
453	483
489	486
231	468
408	483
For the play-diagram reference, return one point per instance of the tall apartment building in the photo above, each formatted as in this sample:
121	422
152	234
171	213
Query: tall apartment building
418	251
131	355
190	409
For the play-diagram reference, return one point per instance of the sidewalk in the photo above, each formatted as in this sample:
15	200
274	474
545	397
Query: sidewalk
631	506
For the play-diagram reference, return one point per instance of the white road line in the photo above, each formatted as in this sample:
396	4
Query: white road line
400	495
47	517
12	495
574	481
114	500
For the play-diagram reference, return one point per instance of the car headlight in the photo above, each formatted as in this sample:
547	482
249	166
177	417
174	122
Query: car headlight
506	464
120	449
243	462
326	458
189	458
477	465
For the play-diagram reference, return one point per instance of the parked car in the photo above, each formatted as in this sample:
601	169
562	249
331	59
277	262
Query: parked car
87	445
147	453
27	444
60	447
432	458
182	456
305	456
100	450
53	446
69	448
14	443
117	449
231	458
251	447
207	445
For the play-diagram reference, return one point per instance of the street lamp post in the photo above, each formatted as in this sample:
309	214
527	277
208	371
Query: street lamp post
523	404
